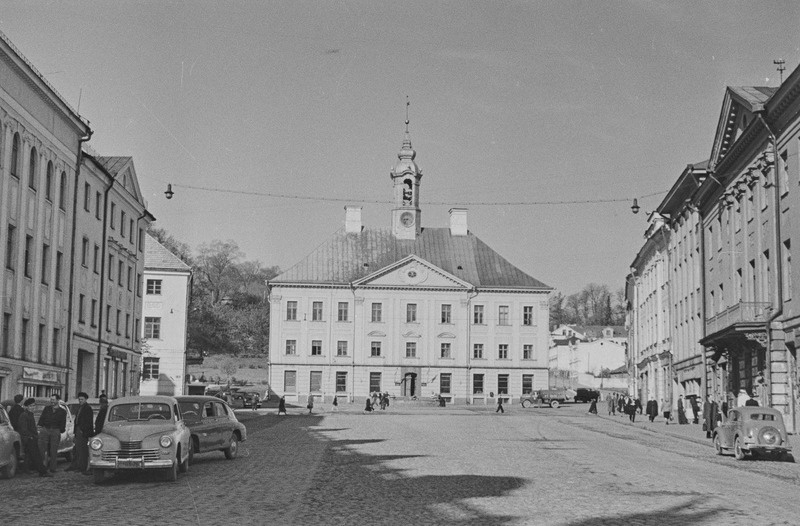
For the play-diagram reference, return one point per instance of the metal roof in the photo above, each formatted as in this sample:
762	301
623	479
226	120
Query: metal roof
158	257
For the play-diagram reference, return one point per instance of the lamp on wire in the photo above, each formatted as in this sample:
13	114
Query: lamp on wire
635	207
169	193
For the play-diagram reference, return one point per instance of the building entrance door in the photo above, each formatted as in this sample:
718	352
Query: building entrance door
409	385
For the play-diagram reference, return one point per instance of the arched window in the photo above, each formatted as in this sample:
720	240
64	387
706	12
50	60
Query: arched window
62	192
48	189
32	170
15	155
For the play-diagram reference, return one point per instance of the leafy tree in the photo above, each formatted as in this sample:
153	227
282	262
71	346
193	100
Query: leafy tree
216	265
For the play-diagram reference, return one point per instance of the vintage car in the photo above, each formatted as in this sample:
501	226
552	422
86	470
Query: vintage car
551	397
141	433
67	437
586	395
752	431
10	446
213	425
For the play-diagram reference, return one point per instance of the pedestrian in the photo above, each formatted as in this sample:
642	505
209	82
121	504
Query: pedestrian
695	409
374	399
84	428
385	400
30	440
310	404
709	417
368	407
742	398
621	405
681	411
53	422
593	406
612	407
499	405
442	402
282	406
255	401
638	405
101	415
652	409
335	403
666	407
630	409
15	411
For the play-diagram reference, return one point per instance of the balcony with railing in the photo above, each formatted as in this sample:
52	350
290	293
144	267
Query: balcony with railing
742	312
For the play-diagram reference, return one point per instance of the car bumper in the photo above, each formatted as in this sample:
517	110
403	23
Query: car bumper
760	448
111	464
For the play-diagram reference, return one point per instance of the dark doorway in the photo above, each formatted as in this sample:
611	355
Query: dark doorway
409	385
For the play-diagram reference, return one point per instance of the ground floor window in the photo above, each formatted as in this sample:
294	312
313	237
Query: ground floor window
290	381
341	382
374	382
477	384
444	382
502	384
527	384
150	368
315	382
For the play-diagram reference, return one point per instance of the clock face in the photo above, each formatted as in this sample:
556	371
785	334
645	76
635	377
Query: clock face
407	218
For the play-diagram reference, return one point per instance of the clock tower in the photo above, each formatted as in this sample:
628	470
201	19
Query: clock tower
405	186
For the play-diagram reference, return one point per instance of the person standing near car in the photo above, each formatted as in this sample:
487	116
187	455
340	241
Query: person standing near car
53	422
84	429
101	415
15	411
30	440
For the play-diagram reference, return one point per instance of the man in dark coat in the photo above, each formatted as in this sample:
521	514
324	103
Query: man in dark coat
15	411
84	428
101	415
53	422
30	440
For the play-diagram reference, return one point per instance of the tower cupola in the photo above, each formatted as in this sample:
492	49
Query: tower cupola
406	177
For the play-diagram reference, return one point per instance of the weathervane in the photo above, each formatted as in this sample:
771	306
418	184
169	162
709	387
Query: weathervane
781	68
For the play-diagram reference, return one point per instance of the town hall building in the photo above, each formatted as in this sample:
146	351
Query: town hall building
410	310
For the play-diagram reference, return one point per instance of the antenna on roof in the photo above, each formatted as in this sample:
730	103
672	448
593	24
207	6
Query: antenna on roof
781	67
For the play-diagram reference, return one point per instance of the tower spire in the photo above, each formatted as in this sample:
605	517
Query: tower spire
407	121
405	181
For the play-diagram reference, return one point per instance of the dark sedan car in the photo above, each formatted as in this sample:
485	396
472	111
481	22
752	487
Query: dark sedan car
586	395
213	425
751	431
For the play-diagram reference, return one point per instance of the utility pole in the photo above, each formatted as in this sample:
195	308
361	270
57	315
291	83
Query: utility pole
781	67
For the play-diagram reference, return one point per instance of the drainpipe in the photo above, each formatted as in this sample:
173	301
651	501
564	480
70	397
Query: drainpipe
103	277
777	310
474	292
352	396
78	163
702	253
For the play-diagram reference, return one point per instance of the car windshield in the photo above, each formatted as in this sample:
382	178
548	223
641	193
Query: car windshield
762	416
141	412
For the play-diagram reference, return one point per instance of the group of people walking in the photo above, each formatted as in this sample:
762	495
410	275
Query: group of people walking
41	439
377	400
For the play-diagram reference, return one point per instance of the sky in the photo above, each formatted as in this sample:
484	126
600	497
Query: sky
269	117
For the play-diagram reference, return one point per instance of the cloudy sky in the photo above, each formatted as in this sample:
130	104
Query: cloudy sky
511	102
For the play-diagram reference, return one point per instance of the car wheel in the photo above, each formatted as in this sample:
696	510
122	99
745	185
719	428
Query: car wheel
554	404
172	473
9	470
738	452
233	448
718	445
99	475
183	467
526	403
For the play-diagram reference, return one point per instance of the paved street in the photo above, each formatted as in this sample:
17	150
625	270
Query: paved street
425	465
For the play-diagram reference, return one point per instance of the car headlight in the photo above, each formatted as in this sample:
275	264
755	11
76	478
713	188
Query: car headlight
96	444
165	441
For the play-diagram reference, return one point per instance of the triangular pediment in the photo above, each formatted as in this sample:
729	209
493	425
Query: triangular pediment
412	271
738	112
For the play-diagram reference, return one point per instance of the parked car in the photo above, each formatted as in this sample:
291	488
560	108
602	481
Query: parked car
551	397
586	395
10	447
141	433
252	393
752	431
213	425
67	437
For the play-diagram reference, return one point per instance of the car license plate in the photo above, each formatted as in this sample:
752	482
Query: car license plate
130	463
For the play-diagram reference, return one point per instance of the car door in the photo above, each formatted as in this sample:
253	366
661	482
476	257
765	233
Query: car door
727	428
224	425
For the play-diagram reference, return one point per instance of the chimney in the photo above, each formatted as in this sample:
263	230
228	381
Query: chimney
352	219
458	222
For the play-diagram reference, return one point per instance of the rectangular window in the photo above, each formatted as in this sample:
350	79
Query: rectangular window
477	351
316	311
375	348
122	223
444	382
527	352
341	382
527	384
341	348
477	315
477	384
110	267
527	315
87	196
108	318
153	287
152	327
130	231
502	384
411	349
502	315
85	252
93	319
411	313
119	322
59	264
136	329
130	279
315	381
447	313
27	262
81	310
291	347
98	204
377	312
291	310
41	348
138	284
342	311
316	347
56	341
113	216
141	240
375	382
783	168
96	260
787	270
62	191
6	334
120	269
290	381
502	351
45	264
446	350
11	245
24	338
150	368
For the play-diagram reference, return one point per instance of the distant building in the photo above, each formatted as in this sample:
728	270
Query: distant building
167	288
583	361
410	310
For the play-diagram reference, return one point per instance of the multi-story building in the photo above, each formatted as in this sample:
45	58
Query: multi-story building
40	145
110	224
167	287
409	310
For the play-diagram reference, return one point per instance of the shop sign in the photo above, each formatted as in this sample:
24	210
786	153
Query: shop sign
117	354
39	375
